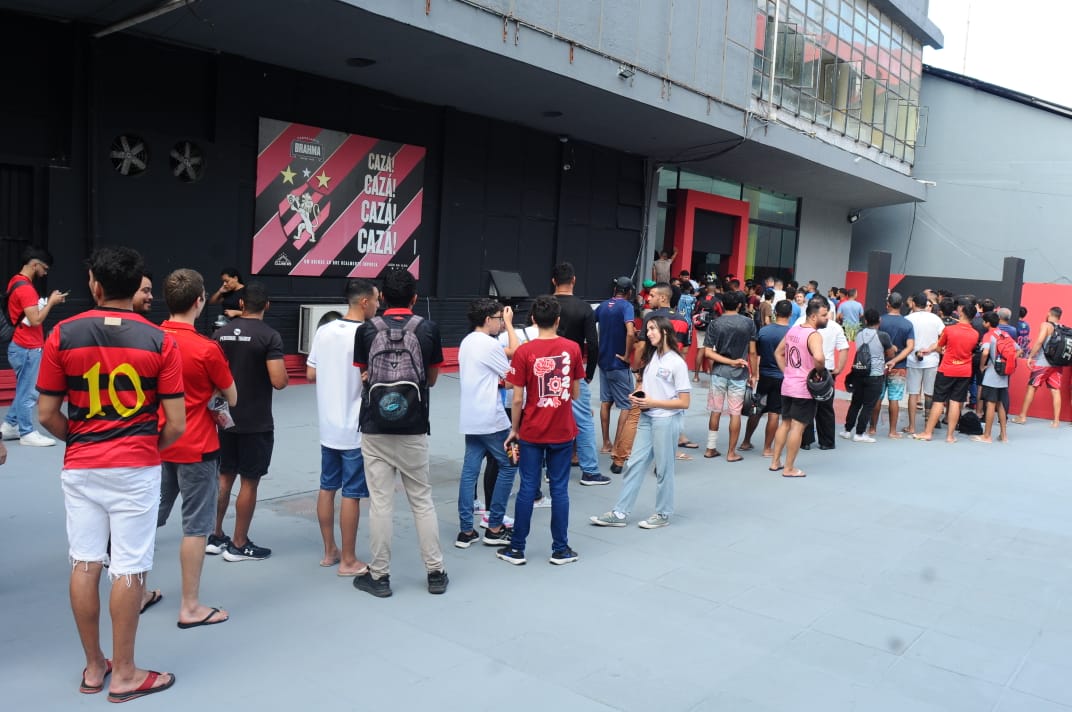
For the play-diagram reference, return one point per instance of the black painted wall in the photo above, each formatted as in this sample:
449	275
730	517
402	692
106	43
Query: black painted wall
497	195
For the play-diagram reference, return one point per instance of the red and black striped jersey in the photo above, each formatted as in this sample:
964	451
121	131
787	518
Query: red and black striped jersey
114	367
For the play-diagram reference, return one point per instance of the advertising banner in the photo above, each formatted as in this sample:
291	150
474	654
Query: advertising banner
334	204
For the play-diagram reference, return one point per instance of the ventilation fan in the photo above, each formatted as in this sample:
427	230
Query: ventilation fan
187	161
130	155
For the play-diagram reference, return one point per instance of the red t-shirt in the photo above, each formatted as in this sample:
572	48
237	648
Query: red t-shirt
546	369
114	367
24	295
204	371
959	341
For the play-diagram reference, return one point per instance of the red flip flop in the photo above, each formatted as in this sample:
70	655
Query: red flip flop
146	688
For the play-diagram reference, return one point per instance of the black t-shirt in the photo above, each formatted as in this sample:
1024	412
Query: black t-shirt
578	324
427	334
249	344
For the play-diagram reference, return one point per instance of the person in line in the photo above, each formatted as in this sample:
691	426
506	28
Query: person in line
995	386
957	344
849	313
927	327
800	352
191	465
482	364
769	386
545	374
616	338
867	388
901	333
143	298
730	341
229	293
666	376
578	324
836	352
27	312
708	308
395	428
255	353
330	365
1042	373
111	467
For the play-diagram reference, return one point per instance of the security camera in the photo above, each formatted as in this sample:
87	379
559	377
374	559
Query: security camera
853	217
567	166
563	139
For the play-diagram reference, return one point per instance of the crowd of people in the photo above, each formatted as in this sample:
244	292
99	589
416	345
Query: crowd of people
159	412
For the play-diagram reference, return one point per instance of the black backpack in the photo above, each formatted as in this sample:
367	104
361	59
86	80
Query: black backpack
396	391
7	329
862	361
969	423
1058	347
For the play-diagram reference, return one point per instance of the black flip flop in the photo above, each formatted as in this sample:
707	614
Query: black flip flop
156	598
203	621
87	689
688	444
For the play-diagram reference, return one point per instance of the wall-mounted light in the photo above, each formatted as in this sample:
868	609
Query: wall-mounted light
625	71
853	216
928	183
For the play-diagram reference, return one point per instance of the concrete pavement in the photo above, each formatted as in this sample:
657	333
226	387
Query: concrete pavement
897	576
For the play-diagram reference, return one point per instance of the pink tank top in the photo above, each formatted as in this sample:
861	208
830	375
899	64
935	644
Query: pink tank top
798	362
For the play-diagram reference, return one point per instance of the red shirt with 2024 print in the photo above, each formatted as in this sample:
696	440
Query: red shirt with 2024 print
546	369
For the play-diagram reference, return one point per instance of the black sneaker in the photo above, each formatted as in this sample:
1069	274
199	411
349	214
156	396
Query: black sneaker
437	582
248	552
511	555
499	538
594	478
380	588
216	544
465	539
563	556
616	469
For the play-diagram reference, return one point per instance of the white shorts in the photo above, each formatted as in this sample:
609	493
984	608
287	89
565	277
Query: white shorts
117	502
920	380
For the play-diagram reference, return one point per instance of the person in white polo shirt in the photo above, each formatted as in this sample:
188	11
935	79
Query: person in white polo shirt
923	363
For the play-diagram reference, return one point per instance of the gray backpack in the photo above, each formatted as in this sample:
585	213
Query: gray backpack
395	392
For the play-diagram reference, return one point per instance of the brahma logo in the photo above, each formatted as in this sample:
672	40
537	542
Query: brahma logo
283	261
308	148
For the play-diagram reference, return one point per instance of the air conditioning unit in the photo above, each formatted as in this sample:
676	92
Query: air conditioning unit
311	316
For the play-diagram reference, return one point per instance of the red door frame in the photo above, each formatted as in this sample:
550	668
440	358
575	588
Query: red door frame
686	203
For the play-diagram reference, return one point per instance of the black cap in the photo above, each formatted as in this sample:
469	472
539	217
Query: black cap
623	284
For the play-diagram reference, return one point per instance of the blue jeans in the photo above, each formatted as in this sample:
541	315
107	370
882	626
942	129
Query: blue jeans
558	466
476	446
26	363
586	432
656	443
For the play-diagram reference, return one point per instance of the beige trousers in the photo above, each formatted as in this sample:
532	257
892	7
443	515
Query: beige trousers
408	455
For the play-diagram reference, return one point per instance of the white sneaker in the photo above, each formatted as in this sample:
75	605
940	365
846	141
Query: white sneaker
863	439
478	506
543	502
508	522
847	434
36	439
9	431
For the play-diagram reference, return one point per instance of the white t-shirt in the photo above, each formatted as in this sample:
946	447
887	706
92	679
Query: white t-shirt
338	384
833	341
928	327
665	376
481	365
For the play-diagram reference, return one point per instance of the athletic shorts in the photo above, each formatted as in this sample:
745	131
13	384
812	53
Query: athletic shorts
948	389
246	454
199	485
615	387
990	394
921	381
116	502
343	469
894	389
801	410
770	387
726	396
1049	376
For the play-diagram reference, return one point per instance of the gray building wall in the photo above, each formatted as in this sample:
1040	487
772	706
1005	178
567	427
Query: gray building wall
823	244
1003	174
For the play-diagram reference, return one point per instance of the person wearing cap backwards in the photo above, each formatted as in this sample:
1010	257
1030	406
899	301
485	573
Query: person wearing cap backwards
800	352
616	337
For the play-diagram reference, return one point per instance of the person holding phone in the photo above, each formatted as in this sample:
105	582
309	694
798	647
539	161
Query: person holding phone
662	404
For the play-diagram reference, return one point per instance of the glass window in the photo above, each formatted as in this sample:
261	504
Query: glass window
667	181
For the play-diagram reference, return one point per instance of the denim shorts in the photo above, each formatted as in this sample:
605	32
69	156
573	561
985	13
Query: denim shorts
343	469
615	387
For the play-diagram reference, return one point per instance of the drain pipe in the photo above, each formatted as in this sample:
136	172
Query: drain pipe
164	9
772	110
